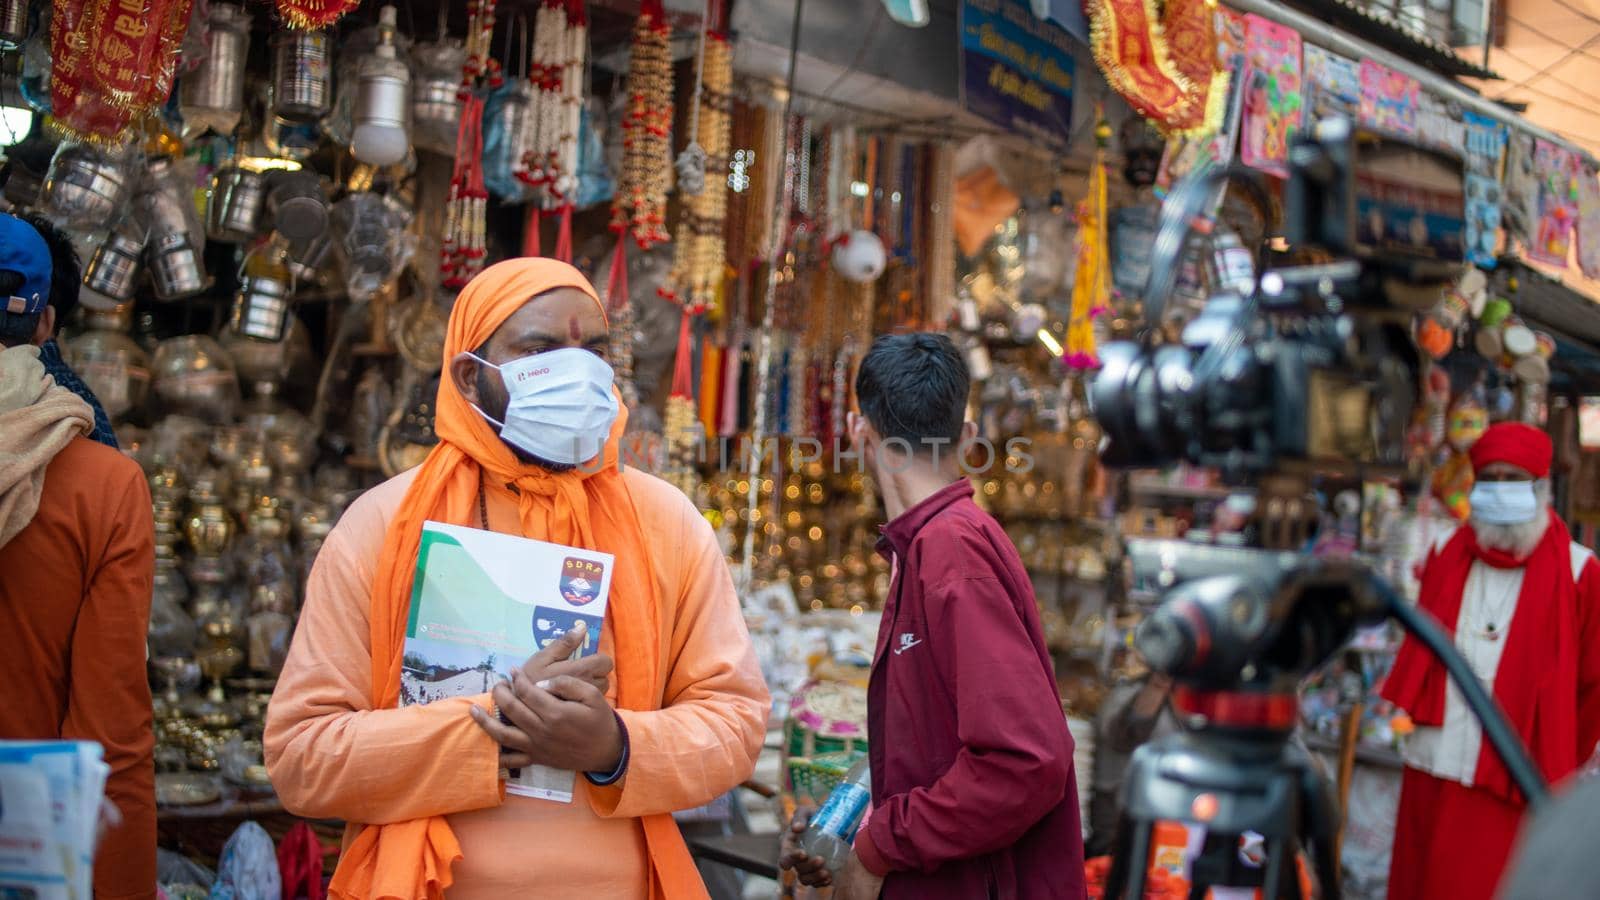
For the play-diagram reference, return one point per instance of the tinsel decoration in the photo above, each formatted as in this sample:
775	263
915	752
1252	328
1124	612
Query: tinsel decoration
313	14
465	243
1091	289
681	420
700	251
641	198
1163	63
112	62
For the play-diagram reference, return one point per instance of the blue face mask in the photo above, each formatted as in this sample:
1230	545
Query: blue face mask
1504	502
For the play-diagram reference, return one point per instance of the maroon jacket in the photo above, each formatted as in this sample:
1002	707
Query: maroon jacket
972	785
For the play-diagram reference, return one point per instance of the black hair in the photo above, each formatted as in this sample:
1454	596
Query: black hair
66	275
15	329
914	387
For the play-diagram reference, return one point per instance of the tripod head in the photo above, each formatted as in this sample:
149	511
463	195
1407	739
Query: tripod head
1237	630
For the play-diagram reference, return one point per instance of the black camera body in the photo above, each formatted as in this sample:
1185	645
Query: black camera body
1318	364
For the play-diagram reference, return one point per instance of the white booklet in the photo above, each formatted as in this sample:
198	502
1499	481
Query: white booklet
481	604
50	795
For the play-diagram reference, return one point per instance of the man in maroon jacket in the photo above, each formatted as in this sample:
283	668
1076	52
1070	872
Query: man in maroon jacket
973	795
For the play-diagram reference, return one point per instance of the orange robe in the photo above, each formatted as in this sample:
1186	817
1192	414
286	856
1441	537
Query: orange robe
331	755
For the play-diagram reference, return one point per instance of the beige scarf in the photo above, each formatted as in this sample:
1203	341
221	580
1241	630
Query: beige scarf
37	419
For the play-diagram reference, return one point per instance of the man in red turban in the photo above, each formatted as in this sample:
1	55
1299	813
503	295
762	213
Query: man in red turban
1523	601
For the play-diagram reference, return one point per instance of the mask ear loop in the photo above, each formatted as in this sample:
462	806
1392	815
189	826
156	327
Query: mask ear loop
481	361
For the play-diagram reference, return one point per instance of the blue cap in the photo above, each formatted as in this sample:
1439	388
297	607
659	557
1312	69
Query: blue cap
23	251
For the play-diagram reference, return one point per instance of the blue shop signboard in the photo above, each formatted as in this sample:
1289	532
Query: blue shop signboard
1017	69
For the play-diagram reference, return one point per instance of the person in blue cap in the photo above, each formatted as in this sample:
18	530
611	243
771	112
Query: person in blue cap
77	565
32	323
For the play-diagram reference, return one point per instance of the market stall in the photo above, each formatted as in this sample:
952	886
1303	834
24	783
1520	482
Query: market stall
275	207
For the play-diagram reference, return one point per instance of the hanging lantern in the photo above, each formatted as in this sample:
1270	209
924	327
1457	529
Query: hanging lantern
85	186
114	267
382	94
261	305
176	268
212	96
435	112
13	23
233	213
302	79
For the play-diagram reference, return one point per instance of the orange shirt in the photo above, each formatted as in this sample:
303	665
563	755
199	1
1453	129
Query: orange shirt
74	607
332	755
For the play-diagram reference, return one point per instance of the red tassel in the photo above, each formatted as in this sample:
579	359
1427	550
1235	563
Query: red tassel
530	233
683	366
617	284
564	235
654	9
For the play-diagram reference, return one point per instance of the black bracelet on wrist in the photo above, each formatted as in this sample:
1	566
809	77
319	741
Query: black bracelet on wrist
606	779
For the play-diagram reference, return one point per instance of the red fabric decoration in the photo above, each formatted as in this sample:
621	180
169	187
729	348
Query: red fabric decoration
530	232
617	284
1537	682
1523	446
683	364
564	235
300	863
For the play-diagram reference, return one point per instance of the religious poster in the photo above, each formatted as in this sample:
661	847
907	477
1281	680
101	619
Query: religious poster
1439	124
1188	154
1333	85
1388	99
1559	170
1272	95
1520	210
1482	229
1017	69
1484	143
1589	221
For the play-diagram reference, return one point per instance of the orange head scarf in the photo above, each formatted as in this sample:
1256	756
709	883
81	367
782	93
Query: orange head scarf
587	507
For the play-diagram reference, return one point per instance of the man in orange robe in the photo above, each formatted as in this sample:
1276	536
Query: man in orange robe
527	446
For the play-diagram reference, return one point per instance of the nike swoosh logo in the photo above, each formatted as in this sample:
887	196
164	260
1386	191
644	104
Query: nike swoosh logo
904	647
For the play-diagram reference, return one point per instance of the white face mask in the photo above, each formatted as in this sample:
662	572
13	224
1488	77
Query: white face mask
1504	502
561	407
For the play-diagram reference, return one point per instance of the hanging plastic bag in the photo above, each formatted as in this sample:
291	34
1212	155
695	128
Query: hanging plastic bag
371	238
505	117
595	184
249	867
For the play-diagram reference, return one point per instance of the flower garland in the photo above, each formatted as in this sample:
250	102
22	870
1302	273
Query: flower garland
1164	66
313	14
465	244
113	62
1091	288
641	199
700	250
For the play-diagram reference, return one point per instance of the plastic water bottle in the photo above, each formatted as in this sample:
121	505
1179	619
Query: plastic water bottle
833	829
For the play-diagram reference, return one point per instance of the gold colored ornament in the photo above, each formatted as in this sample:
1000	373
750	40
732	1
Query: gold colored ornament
641	198
700	250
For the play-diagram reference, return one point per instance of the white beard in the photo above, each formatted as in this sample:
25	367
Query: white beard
1518	540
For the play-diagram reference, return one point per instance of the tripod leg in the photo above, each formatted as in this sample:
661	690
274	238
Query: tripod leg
1130	860
1281	881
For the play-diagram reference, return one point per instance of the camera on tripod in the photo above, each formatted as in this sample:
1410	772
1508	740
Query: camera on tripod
1316	366
1318	363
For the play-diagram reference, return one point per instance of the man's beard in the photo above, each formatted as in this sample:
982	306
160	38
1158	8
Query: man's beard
1519	540
495	401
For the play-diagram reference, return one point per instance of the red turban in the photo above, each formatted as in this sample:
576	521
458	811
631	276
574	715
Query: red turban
1523	446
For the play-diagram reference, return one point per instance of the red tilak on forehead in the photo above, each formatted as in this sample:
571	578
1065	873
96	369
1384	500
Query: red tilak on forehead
575	329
